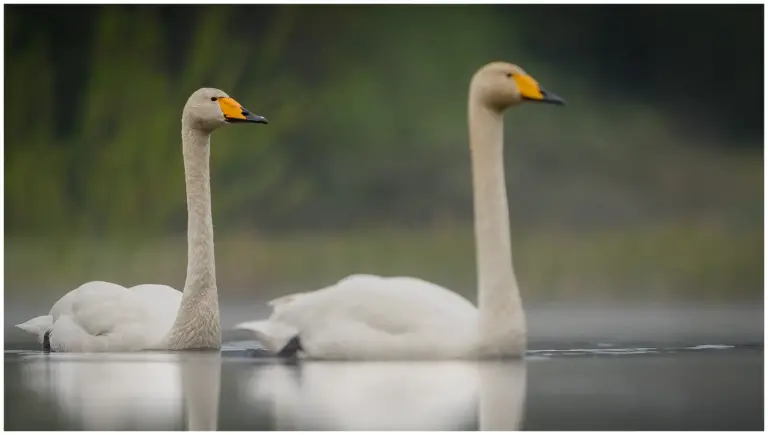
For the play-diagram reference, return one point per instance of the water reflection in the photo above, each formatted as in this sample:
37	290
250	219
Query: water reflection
129	391
391	395
658	390
177	391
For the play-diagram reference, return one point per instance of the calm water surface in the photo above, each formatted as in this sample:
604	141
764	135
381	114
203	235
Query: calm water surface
596	386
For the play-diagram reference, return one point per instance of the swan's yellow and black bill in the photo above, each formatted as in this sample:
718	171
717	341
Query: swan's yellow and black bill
234	112
530	90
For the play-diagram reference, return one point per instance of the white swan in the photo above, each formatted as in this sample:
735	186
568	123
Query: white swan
371	317
100	316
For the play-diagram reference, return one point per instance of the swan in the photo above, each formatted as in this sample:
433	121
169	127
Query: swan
101	316
373	317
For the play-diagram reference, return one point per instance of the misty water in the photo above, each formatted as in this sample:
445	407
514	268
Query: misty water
661	373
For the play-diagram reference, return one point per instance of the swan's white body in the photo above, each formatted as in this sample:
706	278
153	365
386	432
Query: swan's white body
104	317
371	317
101	316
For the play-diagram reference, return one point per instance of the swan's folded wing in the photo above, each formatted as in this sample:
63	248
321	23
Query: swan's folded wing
88	298
363	314
393	305
162	303
101	308
105	317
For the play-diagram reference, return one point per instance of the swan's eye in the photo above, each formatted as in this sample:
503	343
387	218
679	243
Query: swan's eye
509	75
214	98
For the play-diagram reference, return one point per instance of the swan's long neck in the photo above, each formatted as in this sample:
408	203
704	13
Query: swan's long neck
197	323
502	322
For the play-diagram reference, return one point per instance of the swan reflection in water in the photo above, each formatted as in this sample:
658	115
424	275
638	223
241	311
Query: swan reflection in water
444	395
148	391
129	391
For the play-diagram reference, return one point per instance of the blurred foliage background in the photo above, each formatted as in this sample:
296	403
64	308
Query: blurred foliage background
649	184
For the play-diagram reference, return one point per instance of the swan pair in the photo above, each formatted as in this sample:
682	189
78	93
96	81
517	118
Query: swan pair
360	317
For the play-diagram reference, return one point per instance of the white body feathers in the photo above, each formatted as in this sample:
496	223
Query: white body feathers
101	316
371	317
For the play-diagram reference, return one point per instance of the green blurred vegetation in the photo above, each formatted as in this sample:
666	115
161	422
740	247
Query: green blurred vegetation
664	262
364	165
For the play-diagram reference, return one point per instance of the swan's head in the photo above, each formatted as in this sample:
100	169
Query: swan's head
500	85
209	109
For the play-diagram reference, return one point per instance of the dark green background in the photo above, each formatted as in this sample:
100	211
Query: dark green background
651	179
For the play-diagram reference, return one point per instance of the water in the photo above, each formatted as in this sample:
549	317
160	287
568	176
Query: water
596	386
591	366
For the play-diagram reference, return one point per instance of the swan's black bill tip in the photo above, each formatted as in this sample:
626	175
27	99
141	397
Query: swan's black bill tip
247	117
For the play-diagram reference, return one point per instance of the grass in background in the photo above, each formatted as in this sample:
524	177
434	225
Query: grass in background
667	261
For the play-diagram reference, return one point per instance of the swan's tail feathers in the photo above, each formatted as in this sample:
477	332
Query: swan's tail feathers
277	337
37	326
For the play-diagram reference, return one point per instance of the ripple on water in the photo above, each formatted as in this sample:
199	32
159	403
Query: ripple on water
253	349
603	349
